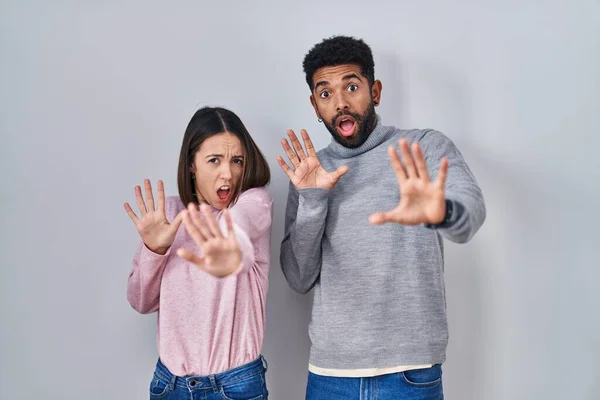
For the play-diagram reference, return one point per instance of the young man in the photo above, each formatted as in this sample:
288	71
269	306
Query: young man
368	237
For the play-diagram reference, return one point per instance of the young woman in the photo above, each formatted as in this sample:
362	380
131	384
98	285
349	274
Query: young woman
207	279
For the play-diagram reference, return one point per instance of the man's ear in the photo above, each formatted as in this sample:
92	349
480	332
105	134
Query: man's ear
376	92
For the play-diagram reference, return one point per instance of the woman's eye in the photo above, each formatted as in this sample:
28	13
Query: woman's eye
213	160
238	161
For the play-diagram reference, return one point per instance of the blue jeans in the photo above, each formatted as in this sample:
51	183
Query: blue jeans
246	382
419	384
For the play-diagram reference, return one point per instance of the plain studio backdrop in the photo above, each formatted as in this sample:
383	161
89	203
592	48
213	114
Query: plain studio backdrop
95	97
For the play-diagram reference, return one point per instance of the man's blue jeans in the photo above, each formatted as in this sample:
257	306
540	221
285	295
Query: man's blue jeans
420	384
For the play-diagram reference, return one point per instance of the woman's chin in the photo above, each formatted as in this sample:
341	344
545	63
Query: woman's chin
217	205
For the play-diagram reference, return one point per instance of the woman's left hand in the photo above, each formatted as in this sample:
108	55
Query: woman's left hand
220	255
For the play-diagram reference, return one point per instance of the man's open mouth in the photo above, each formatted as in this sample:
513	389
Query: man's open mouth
346	125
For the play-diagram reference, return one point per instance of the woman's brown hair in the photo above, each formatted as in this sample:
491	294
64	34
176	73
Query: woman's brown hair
209	121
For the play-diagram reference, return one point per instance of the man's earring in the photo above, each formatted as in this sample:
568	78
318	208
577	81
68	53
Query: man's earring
320	120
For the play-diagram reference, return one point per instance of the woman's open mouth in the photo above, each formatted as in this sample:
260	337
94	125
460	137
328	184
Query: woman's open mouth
224	193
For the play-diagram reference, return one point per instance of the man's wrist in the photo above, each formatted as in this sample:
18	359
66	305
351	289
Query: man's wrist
452	214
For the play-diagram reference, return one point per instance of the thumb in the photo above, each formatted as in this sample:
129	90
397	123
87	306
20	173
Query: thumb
176	222
379	218
190	256
338	173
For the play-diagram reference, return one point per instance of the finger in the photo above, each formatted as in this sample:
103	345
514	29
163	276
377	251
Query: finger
379	218
338	173
190	256
407	157
174	225
297	145
131	214
420	162
211	222
197	220
229	223
396	164
191	228
288	171
292	156
443	172
310	148
161	196
140	200
149	196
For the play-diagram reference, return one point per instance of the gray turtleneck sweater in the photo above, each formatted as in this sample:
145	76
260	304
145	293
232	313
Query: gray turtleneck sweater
379	296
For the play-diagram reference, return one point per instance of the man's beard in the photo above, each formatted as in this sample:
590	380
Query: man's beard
364	126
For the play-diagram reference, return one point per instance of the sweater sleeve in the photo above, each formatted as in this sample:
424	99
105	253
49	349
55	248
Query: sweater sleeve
251	216
300	255
143	286
461	187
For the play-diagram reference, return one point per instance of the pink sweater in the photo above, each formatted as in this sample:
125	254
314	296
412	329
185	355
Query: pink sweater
207	325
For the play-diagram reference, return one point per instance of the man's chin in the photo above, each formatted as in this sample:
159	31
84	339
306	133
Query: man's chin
347	138
349	141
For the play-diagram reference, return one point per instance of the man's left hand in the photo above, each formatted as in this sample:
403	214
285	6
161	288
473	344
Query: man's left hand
422	201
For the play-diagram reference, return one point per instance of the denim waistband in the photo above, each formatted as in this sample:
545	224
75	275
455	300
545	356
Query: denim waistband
228	377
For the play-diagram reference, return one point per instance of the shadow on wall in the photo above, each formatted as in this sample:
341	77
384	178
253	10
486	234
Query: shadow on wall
286	344
515	280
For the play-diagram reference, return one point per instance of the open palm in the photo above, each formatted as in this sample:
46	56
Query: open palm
156	231
422	201
307	172
221	255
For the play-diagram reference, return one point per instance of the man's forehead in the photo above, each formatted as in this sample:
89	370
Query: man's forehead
338	71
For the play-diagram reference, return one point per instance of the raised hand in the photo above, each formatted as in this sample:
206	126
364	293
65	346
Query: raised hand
156	231
308	172
421	199
220	255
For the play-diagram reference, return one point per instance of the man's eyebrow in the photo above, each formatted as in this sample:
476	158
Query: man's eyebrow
350	76
345	78
321	83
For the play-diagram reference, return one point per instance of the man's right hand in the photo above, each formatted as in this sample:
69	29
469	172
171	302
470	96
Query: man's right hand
308	172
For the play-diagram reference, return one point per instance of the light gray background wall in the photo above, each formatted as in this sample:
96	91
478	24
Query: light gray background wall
95	97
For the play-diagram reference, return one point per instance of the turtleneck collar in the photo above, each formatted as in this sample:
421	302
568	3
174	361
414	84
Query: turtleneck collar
379	135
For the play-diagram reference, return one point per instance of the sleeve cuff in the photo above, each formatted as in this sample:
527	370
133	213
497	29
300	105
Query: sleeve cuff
148	256
312	194
454	210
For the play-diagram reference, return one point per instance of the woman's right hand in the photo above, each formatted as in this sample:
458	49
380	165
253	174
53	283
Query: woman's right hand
156	232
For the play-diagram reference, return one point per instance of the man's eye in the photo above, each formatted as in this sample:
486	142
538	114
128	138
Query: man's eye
324	94
352	88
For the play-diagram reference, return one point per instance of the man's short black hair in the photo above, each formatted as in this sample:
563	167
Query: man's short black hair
338	50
